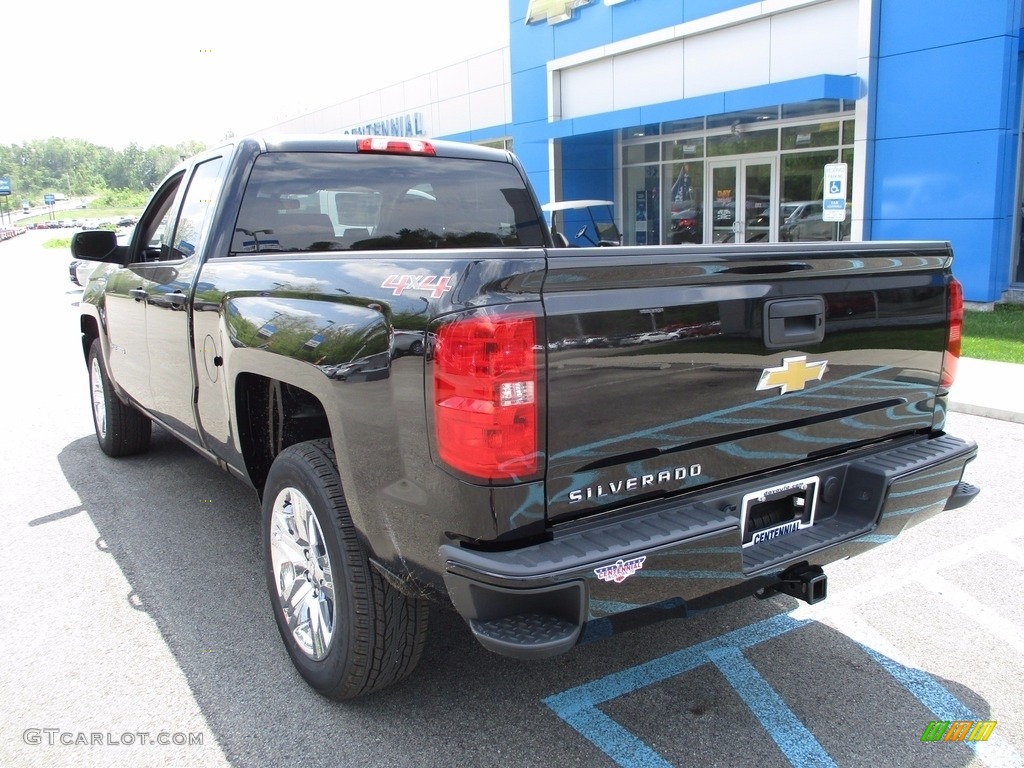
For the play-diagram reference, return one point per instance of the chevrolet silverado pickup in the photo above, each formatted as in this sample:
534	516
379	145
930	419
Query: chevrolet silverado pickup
434	402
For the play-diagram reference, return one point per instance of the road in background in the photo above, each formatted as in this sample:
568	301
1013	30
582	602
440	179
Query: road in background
136	607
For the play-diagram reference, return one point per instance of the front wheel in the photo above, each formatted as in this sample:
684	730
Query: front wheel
348	631
121	429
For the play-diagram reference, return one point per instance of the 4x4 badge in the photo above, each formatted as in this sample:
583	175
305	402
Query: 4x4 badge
792	375
620	570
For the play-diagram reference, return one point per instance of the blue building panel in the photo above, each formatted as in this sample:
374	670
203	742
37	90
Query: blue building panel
792	91
975	245
638	17
943	178
481	135
607	121
530	95
698	106
915	99
589	168
915	27
589	26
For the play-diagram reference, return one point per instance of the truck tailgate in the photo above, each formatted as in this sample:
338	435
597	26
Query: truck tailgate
674	368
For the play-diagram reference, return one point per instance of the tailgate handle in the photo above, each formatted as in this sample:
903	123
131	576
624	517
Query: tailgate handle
794	322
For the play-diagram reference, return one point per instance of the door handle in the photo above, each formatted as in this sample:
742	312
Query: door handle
138	294
177	298
794	322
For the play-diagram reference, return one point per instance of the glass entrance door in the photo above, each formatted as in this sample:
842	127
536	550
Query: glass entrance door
740	199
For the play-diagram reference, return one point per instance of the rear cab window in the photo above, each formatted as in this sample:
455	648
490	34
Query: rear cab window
317	201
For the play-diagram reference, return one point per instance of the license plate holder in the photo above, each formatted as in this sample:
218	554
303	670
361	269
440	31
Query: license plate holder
780	510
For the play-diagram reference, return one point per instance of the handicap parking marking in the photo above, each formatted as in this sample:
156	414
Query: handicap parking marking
785	728
945	706
579	706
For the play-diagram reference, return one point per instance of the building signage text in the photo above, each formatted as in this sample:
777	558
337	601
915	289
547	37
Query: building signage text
403	125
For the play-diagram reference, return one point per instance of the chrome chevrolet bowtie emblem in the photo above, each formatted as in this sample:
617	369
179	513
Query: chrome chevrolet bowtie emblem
792	375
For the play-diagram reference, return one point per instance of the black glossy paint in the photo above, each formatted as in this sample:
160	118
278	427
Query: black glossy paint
649	358
630	403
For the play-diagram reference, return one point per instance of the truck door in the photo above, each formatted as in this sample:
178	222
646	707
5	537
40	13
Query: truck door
148	300
125	298
168	285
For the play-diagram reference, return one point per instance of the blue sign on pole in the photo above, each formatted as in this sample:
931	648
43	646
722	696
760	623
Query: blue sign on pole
5	185
49	199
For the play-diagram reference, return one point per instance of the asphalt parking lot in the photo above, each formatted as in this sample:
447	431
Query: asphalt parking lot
139	633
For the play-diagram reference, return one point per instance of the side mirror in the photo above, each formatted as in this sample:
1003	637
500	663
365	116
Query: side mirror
97	245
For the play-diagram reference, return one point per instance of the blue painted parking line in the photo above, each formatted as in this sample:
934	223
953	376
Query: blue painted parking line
785	728
578	706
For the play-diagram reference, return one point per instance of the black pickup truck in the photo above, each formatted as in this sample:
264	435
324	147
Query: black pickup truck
434	402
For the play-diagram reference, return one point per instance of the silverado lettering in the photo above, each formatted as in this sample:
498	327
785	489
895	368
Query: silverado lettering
632	483
435	402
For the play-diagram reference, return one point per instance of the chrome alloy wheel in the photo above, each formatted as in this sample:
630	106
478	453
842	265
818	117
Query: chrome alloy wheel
302	573
99	397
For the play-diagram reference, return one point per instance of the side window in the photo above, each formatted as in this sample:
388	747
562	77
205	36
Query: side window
153	233
200	199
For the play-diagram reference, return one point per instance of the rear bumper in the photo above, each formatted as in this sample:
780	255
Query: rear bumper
671	557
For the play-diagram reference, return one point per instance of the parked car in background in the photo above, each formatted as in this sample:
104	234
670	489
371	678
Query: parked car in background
687	226
83	270
805	222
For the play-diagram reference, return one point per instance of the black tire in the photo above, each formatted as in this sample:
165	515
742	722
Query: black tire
121	429
349	632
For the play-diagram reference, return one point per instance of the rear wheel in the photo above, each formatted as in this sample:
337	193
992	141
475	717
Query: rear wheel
121	429
348	631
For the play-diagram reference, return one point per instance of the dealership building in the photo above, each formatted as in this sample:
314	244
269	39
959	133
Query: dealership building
734	121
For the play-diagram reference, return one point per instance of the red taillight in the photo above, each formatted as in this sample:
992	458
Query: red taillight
395	146
956	328
485	396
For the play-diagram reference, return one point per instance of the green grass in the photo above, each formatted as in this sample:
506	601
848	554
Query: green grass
997	335
58	242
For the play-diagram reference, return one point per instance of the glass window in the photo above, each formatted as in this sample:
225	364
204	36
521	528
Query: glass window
848	126
505	144
743	142
809	108
810	136
640	153
683	126
803	177
152	240
640	209
745	117
370	201
684	149
200	199
683	208
639	131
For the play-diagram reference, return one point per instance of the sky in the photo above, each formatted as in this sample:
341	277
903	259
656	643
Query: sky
113	72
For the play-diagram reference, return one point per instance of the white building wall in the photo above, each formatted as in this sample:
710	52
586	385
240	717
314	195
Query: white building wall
758	44
470	95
